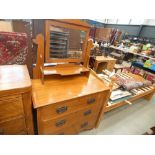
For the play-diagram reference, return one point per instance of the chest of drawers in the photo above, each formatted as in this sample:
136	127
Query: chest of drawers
15	100
69	105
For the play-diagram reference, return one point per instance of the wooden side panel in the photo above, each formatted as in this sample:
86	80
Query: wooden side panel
14	126
10	106
103	99
27	104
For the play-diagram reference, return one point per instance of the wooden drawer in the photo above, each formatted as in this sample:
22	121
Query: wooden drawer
88	113
10	106
87	119
14	126
86	124
67	107
49	126
71	130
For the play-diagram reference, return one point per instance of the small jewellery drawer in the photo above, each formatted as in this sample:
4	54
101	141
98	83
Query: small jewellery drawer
13	127
67	107
56	124
10	106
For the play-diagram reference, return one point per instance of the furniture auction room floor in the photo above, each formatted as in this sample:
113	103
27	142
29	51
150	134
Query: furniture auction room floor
133	119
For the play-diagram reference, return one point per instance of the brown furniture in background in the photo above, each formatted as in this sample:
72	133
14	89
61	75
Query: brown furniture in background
102	62
15	100
103	34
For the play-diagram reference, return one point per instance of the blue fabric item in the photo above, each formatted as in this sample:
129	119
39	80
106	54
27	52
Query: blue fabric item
153	67
141	66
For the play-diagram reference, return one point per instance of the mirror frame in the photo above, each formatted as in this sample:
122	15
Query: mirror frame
65	23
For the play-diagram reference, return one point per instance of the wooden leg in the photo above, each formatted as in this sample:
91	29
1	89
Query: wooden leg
149	96
95	66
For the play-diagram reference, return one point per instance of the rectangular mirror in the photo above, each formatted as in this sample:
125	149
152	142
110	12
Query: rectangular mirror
65	44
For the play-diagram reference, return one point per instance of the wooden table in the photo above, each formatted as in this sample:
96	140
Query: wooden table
102	62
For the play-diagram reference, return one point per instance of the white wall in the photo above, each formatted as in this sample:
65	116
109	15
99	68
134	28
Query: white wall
128	21
149	22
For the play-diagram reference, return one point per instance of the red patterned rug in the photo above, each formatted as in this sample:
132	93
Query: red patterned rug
13	48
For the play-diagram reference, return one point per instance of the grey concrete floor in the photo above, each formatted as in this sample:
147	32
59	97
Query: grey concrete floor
133	119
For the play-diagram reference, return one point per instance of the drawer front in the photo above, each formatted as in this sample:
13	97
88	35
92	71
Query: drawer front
56	124
89	112
10	106
13	127
67	107
86	124
71	130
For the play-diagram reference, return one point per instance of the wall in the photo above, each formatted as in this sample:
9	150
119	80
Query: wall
147	31
131	29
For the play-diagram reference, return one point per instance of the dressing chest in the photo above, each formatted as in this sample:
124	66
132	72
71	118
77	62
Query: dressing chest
68	97
70	104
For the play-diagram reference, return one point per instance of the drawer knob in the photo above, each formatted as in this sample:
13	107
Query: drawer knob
60	123
84	124
91	100
61	109
88	112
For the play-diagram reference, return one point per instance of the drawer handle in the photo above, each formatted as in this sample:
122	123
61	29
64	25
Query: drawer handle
87	112
84	124
61	109
60	123
1	131
90	101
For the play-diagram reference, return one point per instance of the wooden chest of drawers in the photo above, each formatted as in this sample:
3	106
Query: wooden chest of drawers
15	100
69	105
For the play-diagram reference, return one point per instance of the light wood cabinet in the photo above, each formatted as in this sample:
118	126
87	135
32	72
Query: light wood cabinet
15	100
102	63
70	104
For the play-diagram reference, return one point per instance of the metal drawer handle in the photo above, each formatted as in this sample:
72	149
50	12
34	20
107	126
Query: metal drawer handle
1	131
60	123
88	112
90	101
84	124
61	109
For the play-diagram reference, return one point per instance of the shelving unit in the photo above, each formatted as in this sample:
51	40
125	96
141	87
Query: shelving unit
58	44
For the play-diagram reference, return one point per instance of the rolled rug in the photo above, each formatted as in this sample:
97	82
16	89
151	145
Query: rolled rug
147	83
132	85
